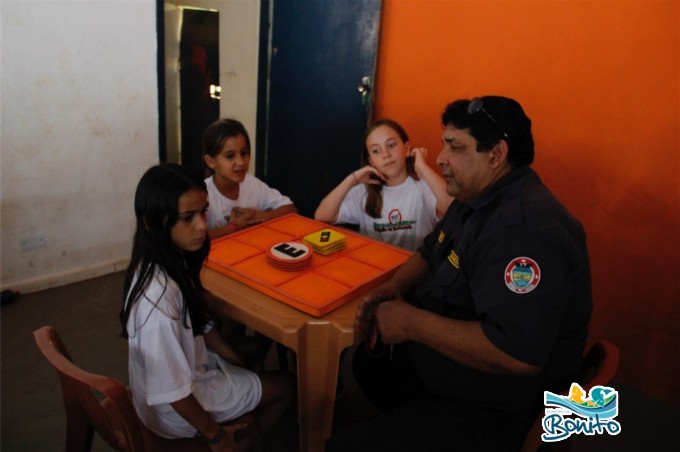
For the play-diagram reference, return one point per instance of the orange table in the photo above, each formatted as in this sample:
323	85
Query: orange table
318	343
277	312
326	283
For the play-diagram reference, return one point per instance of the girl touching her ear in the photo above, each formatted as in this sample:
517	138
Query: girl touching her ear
396	197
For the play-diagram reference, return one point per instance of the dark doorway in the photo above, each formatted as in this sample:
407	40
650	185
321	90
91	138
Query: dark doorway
312	117
199	71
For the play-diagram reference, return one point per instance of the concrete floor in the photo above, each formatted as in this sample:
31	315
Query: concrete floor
86	316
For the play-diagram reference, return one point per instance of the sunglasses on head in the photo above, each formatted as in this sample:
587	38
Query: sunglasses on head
477	105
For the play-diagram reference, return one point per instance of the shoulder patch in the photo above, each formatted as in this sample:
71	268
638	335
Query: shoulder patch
454	259
522	275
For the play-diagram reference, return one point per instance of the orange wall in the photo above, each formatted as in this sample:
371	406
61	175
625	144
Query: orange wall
600	81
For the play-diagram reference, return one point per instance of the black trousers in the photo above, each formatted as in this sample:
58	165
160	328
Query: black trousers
413	420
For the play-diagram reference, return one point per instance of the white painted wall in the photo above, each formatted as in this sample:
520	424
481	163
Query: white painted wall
239	39
79	125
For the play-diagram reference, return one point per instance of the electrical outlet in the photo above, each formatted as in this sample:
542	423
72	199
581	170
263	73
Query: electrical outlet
33	242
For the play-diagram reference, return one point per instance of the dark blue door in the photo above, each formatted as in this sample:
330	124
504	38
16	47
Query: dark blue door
320	52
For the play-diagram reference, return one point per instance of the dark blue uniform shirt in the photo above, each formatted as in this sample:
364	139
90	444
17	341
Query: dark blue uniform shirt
515	260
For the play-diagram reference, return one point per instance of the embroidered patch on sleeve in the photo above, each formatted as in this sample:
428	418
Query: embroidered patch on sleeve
454	259
522	275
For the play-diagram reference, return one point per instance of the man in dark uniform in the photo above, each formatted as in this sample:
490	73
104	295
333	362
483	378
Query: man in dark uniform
492	309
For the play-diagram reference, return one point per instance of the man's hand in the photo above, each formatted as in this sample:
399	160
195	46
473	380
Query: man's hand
365	311
392	318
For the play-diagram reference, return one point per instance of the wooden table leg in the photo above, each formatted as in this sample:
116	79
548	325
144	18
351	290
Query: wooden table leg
318	361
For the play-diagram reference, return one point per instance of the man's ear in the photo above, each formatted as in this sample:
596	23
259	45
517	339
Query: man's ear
209	161
498	155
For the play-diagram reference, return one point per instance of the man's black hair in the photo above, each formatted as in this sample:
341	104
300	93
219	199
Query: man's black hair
511	119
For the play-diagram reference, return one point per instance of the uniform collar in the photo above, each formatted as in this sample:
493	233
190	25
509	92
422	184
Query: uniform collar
489	194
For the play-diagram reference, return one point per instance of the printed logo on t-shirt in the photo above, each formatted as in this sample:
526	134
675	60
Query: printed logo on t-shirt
396	223
522	275
394	216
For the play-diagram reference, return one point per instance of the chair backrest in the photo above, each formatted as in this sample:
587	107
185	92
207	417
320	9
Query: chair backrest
114	417
600	364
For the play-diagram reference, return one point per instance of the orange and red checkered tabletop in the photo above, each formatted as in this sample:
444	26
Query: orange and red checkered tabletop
338	267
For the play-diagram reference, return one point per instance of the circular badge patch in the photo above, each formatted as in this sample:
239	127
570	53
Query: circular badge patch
522	275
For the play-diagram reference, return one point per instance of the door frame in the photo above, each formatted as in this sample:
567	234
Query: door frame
239	38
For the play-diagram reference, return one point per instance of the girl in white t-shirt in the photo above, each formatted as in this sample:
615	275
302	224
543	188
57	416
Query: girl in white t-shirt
396	197
185	379
237	199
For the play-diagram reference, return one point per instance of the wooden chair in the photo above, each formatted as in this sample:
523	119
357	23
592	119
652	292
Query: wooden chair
600	364
111	412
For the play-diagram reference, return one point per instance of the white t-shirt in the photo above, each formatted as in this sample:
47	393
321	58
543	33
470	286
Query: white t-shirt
408	213
167	363
253	194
